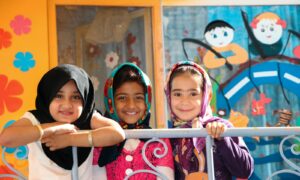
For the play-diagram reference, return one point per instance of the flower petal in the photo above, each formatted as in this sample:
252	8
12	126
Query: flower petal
13	103
14	88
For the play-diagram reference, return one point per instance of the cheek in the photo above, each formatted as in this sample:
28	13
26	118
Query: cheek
172	103
119	106
79	107
142	106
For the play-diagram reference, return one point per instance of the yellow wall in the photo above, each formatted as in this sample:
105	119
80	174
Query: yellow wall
35	42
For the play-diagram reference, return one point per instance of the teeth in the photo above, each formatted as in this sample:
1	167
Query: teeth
131	113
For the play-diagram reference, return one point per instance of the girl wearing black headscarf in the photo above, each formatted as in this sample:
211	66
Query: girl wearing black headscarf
64	105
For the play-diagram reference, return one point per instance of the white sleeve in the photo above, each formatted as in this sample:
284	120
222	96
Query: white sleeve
31	117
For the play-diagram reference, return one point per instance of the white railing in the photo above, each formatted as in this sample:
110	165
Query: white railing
155	134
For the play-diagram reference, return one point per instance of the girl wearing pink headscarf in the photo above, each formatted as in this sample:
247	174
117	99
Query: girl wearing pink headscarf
189	92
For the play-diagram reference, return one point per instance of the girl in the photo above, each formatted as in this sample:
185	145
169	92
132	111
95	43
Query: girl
127	100
64	104
188	91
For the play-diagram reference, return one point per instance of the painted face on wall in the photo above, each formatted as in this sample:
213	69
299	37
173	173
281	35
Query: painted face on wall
267	31
220	36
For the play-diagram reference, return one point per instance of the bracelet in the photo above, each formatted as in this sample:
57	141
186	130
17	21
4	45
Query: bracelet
40	130
90	139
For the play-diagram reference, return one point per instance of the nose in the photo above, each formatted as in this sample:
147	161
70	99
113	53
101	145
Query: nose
66	104
185	99
131	103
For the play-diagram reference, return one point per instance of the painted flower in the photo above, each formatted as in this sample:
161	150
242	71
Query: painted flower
111	59
21	25
135	60
5	170
5	39
93	50
24	61
95	82
8	91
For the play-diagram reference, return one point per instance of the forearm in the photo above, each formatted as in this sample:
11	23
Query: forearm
19	135
101	137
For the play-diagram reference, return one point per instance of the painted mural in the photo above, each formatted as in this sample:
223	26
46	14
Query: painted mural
23	58
252	56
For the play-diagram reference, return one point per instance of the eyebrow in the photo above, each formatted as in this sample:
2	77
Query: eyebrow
75	92
118	94
175	90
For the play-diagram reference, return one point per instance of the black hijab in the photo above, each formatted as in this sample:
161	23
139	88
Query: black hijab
48	86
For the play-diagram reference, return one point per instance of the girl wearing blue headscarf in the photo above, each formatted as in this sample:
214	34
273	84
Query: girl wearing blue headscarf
127	98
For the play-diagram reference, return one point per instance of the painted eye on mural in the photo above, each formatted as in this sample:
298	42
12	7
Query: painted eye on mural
225	34
271	28
262	30
215	36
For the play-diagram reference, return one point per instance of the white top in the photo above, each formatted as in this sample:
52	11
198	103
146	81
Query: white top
41	167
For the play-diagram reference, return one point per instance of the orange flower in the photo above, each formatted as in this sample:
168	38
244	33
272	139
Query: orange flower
5	39
8	91
5	170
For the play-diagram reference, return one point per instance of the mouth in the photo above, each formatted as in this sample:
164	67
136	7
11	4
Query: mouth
131	113
185	110
66	113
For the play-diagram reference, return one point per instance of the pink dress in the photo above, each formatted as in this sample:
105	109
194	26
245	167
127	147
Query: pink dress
130	161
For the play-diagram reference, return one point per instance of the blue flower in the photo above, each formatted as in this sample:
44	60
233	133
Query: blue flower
24	61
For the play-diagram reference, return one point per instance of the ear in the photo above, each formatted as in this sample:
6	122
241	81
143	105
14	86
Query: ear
254	23
282	23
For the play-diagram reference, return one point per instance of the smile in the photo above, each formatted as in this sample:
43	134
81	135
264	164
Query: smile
131	113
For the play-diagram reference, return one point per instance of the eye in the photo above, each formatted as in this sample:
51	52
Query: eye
140	97
121	98
194	93
214	36
262	30
271	29
177	94
225	34
58	96
77	97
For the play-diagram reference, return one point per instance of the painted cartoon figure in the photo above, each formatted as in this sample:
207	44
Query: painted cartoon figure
219	34
268	29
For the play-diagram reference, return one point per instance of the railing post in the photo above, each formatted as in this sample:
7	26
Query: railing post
210	158
75	164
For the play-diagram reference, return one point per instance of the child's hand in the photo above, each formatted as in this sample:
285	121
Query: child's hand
59	129
215	129
64	129
57	141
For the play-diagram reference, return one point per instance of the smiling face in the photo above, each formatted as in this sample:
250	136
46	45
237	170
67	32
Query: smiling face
67	105
129	100
220	36
267	31
186	96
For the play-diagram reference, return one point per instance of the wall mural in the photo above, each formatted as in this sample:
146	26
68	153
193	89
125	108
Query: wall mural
252	56
13	162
